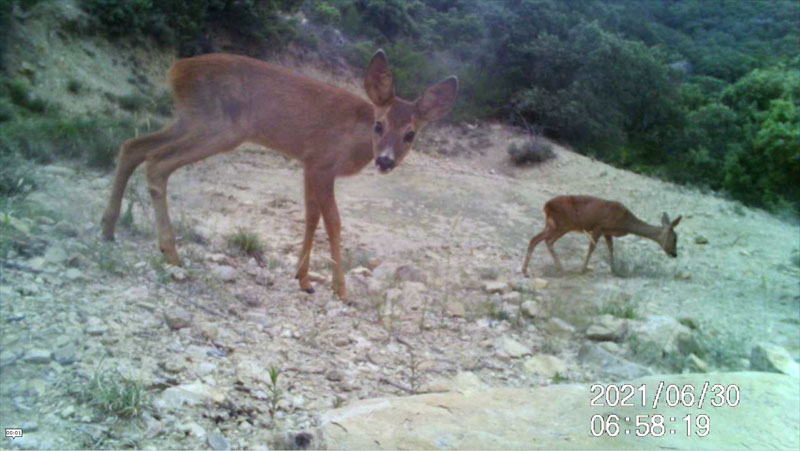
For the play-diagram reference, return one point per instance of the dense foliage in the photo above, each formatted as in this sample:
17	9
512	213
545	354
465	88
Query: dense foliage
699	91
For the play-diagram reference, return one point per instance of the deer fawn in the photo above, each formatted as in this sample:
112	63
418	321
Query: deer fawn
224	100
598	217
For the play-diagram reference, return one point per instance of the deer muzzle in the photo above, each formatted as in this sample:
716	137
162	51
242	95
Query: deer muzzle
385	164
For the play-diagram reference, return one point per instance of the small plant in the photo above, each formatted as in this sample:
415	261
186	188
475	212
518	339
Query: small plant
621	308
114	394
74	86
159	265
531	152
126	220
275	393
558	378
247	242
132	102
495	312
19	91
414	376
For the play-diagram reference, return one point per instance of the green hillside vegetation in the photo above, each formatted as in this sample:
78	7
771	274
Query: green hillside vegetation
703	92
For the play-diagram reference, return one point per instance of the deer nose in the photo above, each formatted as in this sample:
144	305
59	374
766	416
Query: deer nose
385	164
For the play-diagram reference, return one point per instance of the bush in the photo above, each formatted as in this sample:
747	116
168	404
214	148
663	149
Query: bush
531	152
43	140
19	91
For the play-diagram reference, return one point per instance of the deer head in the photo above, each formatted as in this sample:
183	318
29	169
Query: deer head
398	121
669	240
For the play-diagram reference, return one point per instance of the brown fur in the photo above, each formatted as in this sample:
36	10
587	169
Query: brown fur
224	100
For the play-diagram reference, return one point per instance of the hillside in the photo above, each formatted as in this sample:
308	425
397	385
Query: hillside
433	252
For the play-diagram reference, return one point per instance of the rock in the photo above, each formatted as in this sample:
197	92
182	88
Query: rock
218	442
191	428
545	365
207	330
316	277
385	271
463	382
361	271
508	348
606	327
334	375
176	272
73	274
496	287
66	355
393	295
178	318
700	239
67	412
540	284
695	364
557	326
773	358
512	297
659	335
611	347
38	356
455	309
96	327
557	416
216	258
55	255
410	273
173	366
7	356
224	273
531	309
188	394
610	365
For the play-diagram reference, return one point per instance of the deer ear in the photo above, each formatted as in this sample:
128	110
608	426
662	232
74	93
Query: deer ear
437	100
664	219
379	81
675	222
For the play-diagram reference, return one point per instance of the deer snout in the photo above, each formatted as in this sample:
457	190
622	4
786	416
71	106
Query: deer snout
384	163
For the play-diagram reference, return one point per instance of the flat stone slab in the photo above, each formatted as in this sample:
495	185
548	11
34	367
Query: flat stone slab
559	416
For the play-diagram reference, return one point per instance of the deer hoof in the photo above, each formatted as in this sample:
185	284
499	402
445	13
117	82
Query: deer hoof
309	290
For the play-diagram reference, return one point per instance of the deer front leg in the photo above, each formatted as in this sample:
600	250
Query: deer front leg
333	226
313	213
610	246
594	237
534	241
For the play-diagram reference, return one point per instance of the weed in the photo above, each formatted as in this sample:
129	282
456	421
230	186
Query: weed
162	104
74	86
132	102
19	91
275	393
495	311
126	220
530	152
558	378
247	242
414	376
622	307
114	394
159	265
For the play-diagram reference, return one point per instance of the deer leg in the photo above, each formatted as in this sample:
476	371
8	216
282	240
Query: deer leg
534	241
610	246
132	153
333	226
164	161
313	213
595	236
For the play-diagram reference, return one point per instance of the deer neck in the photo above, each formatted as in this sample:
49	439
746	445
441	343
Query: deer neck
640	228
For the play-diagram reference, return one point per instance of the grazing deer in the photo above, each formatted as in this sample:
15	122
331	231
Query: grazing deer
224	100
598	217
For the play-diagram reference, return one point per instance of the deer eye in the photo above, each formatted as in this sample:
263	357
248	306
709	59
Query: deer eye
379	128
409	137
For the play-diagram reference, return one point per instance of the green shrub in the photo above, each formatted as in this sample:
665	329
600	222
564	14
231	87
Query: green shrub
74	86
43	140
19	91
132	102
247	242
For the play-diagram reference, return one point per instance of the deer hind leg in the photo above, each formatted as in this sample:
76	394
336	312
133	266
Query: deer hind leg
553	234
534	241
610	246
132	153
313	213
594	237
162	162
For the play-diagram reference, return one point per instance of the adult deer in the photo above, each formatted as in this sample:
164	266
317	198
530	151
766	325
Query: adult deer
224	100
598	217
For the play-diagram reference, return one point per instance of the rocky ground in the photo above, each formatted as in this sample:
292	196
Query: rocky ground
433	253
